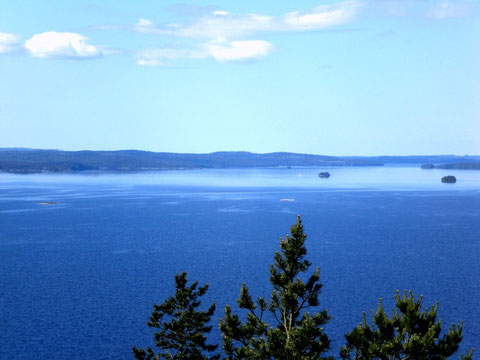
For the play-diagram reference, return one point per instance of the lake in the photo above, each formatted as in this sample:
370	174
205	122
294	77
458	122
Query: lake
79	277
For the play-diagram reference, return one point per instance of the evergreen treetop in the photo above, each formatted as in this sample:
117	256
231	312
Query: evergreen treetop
182	329
409	334
296	331
296	334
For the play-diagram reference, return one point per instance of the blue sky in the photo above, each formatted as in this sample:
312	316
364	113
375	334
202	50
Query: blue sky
360	77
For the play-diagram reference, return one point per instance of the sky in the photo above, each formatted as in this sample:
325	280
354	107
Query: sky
355	77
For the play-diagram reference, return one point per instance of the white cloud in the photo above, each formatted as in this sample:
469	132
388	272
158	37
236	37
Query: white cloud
61	45
149	62
449	9
143	23
221	24
240	50
321	17
219	50
144	26
8	43
212	26
225	35
156	57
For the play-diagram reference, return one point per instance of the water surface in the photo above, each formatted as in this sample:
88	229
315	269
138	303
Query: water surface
79	277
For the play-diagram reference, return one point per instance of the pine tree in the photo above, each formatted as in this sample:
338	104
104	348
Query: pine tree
181	328
296	334
408	334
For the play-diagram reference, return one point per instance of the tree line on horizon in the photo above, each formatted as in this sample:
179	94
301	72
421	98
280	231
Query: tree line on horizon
26	161
296	332
33	160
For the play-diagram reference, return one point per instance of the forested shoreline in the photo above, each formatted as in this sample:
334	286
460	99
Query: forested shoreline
34	160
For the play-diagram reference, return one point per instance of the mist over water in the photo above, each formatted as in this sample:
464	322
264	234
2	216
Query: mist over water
376	178
80	275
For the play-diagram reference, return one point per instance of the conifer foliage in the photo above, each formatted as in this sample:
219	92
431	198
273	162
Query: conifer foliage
182	329
295	331
409	334
296	334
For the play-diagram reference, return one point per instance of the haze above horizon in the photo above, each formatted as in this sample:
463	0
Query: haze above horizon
338	78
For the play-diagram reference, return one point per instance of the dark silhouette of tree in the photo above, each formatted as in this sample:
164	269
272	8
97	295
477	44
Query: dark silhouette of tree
408	334
296	334
181	328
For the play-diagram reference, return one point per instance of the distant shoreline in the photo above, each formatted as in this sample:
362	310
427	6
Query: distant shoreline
30	161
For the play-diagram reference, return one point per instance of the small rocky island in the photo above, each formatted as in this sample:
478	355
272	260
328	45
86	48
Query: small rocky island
449	179
324	174
428	166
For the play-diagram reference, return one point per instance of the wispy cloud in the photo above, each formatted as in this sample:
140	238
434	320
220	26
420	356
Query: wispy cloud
222	24
434	9
394	7
61	45
219	34
149	62
9	43
189	10
156	57
225	36
219	50
239	50
450	9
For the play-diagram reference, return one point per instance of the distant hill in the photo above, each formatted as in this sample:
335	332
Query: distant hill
23	161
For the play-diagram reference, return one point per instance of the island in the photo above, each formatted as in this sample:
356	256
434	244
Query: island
449	179
428	166
324	174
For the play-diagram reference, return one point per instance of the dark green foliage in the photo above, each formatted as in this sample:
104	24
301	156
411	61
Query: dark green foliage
296	333
181	328
408	334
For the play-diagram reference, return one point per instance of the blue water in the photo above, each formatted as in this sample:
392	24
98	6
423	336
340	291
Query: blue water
78	279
